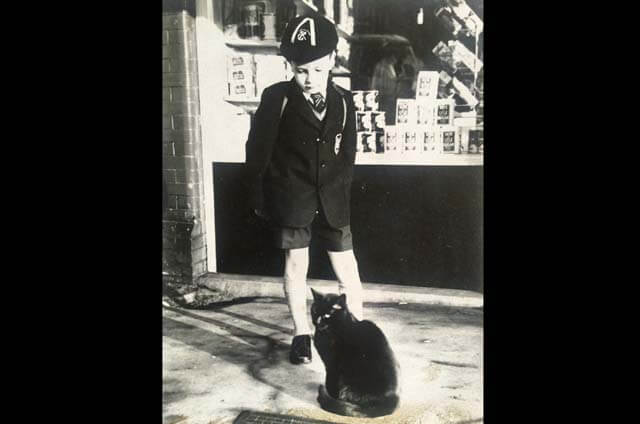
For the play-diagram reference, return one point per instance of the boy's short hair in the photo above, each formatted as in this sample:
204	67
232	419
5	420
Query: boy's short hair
308	38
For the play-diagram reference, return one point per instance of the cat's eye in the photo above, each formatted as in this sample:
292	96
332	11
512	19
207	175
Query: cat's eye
337	307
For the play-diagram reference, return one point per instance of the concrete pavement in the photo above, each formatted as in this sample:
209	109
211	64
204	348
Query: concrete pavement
233	356
251	285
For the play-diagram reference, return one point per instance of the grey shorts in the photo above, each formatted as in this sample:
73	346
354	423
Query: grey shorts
330	238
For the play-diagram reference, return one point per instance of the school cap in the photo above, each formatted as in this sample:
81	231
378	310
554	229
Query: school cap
308	38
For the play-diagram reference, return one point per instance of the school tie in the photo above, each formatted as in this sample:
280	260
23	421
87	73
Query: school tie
317	101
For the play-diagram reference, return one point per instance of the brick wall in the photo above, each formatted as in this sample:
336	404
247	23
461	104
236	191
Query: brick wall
184	255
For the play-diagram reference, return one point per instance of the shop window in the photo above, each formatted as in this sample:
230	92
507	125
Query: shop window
394	40
417	62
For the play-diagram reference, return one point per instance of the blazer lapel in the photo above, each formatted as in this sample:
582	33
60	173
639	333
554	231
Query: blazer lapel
300	106
333	118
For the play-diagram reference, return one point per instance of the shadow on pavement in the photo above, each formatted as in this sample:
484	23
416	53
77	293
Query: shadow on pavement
259	353
215	306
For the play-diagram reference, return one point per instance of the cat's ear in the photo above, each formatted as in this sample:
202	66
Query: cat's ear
342	300
316	296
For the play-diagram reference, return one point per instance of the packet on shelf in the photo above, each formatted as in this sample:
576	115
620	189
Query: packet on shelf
425	111
463	56
391	140
358	100
240	76
464	92
364	122
444	112
476	140
408	139
371	102
427	85
242	90
378	121
427	136
366	142
448	141
405	112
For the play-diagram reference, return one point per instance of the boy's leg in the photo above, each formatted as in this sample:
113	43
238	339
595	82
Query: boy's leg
295	288
346	268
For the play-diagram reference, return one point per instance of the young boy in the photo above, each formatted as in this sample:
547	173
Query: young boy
299	161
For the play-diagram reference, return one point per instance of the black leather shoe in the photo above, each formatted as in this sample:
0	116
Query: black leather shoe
300	350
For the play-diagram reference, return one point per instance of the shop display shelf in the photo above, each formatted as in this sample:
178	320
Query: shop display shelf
260	44
448	159
249	105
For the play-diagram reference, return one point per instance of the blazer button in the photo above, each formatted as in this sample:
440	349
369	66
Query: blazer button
323	165
317	139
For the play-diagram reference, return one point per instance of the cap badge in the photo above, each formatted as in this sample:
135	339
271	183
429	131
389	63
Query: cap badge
301	33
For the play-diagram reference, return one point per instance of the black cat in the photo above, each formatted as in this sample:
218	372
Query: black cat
362	372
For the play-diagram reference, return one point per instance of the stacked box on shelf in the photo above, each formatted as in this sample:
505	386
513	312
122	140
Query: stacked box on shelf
469	67
408	139
391	144
406	112
406	119
444	109
465	93
241	76
366	142
444	84
427	112
447	18
464	122
371	100
427	85
463	57
370	122
445	54
448	141
446	135
425	124
462	79
461	68
480	114
472	22
428	139
476	140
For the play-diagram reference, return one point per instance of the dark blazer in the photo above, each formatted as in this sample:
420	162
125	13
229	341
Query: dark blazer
291	167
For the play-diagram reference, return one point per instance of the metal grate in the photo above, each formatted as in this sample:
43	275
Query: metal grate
253	417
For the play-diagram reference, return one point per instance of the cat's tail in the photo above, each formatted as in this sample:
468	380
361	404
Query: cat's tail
340	407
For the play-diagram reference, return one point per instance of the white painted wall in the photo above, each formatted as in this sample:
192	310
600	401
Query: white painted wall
224	126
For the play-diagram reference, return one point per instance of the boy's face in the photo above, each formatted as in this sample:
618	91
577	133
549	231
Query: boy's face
313	76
